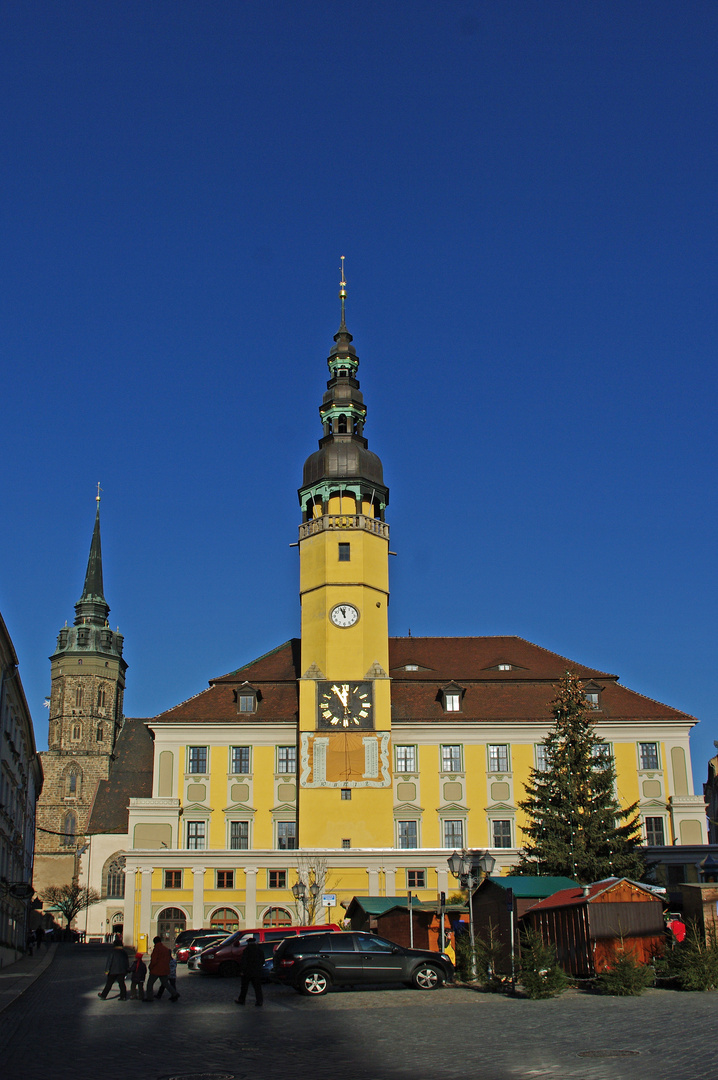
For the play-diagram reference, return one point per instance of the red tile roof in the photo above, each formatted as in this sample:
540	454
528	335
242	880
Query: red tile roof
576	896
522	694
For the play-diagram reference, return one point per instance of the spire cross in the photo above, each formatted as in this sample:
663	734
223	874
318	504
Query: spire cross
99	489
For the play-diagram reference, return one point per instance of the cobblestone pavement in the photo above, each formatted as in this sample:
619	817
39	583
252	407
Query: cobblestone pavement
59	1029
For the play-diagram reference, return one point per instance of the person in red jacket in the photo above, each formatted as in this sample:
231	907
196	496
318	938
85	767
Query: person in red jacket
159	969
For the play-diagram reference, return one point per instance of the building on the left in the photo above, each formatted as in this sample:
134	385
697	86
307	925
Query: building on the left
20	786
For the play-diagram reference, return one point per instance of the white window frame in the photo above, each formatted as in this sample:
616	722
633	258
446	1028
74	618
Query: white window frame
287	847
239	821
490	748
407	821
282	771
453	844
452	701
495	821
452	746
197	847
649	768
240	772
655	817
541	761
197	772
398	764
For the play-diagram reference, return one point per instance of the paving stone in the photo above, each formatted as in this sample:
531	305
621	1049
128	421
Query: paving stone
60	1029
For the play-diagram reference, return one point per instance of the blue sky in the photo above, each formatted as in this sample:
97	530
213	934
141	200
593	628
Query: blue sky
525	194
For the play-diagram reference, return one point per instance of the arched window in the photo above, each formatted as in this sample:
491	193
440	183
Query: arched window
78	696
170	922
101	697
342	426
98	733
225	919
276	916
73	782
76	731
115	877
70	827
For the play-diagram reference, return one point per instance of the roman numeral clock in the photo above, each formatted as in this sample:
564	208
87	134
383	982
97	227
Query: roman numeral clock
344	706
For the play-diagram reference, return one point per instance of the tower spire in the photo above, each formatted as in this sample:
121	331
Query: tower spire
92	606
342	294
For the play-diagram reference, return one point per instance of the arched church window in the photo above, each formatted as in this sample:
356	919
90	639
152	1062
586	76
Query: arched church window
73	782
101	698
76	731
115	884
342	428
98	733
69	830
78	696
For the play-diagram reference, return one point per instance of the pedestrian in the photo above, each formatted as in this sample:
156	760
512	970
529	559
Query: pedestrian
159	968
138	971
250	968
172	980
117	967
40	937
30	942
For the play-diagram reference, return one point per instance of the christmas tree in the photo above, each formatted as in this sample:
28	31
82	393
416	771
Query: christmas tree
576	827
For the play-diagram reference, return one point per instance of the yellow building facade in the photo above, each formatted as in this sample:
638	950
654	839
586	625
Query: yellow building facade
346	758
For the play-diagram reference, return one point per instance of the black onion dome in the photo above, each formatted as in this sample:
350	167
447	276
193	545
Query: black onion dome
343	459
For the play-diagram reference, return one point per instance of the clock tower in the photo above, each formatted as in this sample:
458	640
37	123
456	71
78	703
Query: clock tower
345	793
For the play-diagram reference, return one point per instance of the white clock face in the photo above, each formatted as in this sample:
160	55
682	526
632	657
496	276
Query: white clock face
344	615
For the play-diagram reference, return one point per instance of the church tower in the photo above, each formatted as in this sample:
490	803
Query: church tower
345	794
88	682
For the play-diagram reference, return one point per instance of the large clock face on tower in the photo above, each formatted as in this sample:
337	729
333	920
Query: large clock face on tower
344	706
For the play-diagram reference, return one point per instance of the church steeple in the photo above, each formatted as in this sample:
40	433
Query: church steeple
92	607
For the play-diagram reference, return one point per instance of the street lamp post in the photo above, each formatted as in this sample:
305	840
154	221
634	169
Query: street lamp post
463	865
299	892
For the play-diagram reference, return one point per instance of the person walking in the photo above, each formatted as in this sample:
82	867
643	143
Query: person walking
138	971
117	966
172	980
40	937
250	967
159	968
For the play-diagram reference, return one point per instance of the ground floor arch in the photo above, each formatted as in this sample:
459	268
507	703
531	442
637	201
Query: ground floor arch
170	922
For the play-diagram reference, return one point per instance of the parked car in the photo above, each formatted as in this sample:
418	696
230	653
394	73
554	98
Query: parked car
202	941
186	937
224	959
312	964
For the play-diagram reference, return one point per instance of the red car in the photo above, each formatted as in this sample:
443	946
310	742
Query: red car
183	950
223	959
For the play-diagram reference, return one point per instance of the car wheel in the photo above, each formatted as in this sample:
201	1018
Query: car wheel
228	969
314	983
427	977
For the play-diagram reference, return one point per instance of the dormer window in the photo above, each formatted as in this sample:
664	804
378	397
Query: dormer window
451	696
246	699
592	695
411	667
504	667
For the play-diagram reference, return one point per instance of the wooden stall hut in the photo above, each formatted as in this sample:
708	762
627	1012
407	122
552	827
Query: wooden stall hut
590	924
499	901
388	916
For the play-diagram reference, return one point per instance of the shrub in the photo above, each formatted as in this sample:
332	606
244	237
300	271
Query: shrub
541	975
693	963
625	977
489	957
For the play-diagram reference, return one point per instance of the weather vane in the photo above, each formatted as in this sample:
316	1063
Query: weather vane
99	489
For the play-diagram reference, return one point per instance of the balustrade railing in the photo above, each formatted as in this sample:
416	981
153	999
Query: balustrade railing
343	521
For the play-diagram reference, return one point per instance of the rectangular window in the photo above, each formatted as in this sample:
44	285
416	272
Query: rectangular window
286	759
225	879
416	879
239	835
344	553
197	759
277	879
541	760
247	702
408	834
240	759
451	759
591	697
452	702
195	835
501	833
173	879
649	755
453	834
601	753
655	835
346	793
286	835
346	844
498	758
405	758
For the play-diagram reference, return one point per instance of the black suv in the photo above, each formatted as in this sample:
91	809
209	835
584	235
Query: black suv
312	964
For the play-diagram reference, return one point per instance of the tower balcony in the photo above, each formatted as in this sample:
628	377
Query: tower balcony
343	521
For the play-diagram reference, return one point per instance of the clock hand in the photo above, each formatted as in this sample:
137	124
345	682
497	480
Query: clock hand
342	694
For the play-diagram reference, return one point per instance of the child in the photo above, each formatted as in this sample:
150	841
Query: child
172	981
137	978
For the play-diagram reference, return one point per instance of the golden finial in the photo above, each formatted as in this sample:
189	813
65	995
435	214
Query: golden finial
342	290
99	489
